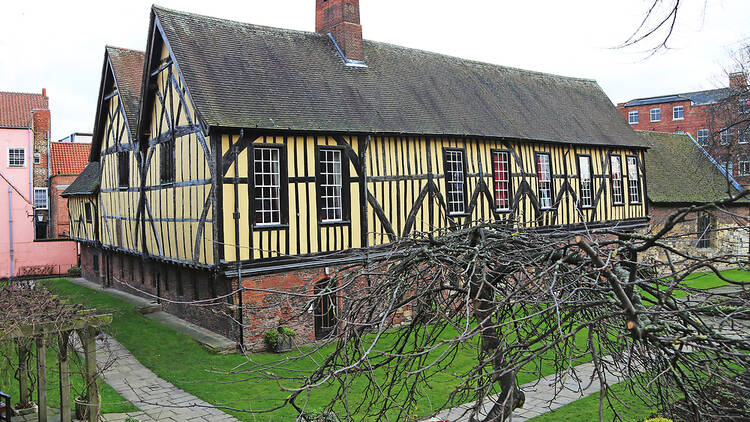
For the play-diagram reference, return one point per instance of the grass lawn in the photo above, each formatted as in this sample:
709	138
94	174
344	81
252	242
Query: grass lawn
183	362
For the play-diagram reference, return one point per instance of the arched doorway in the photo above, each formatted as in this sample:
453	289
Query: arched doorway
325	309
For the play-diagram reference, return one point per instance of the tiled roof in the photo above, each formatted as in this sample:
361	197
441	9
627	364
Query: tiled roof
87	183
678	172
250	76
69	157
128	69
711	96
15	108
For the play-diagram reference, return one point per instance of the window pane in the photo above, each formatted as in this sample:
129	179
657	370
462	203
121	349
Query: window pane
331	185
634	194
584	166
267	185
501	178
544	179
617	180
454	175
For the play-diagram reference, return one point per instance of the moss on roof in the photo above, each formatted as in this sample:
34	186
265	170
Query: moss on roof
678	171
87	183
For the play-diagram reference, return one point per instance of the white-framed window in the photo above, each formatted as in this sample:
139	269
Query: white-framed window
16	157
40	198
331	185
501	179
702	135
616	174
743	165
725	137
544	180
37	158
455	181
743	136
656	114
728	166
744	105
267	185
678	112
633	117
634	194
584	173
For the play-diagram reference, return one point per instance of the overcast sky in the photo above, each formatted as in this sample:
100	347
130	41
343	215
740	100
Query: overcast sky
59	45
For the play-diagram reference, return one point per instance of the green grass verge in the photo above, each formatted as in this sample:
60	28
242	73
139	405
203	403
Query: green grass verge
183	362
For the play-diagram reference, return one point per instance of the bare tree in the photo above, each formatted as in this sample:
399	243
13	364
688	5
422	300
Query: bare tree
659	24
519	301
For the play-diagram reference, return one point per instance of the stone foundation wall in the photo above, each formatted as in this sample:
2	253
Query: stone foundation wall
729	236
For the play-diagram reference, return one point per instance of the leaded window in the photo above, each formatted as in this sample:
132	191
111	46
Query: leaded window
331	186
584	173
455	181
267	185
634	194
16	157
616	175
703	136
544	180
501	179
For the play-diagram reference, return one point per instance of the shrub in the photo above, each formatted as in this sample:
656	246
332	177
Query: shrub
318	415
272	336
74	272
658	420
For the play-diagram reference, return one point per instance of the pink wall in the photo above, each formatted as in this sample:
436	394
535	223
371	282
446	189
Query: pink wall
45	257
27	253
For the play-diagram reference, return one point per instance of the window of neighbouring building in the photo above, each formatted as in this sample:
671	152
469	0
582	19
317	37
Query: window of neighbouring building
584	174
744	165
742	135
633	117
678	112
656	114
702	135
704	230
40	198
634	193
616	175
89	215
37	158
331	183
725	137
16	157
268	185
544	180
455	181
501	179
728	166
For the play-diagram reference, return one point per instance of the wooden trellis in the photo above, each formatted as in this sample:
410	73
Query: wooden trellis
22	325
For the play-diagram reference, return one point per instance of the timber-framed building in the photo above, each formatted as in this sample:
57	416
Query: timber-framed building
262	158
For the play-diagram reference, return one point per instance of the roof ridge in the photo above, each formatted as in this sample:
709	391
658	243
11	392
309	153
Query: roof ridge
22	93
114	47
422	51
678	94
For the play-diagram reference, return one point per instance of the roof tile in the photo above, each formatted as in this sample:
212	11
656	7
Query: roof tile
69	157
15	108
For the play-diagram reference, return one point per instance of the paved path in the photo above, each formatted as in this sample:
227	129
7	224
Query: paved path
542	395
157	399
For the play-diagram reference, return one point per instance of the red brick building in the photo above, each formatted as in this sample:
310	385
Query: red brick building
67	160
715	118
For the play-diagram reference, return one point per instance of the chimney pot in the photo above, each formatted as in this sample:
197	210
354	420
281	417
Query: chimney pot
340	18
44	92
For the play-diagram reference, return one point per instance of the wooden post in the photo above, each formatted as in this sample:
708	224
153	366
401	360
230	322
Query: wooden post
88	340
64	366
23	378
41	376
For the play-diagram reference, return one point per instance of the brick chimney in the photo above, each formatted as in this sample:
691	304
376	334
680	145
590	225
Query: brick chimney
738	81
340	18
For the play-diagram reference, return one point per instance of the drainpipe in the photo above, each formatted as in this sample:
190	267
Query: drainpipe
31	155
10	226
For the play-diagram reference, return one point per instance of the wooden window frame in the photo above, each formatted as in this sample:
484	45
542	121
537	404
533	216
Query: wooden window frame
494	151
580	181
651	114
679	108
345	186
123	169
615	202
631	115
465	202
23	154
538	154
167	162
283	187
702	140
46	198
638	180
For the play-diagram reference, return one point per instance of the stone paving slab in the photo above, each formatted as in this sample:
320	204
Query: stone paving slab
157	399
542	395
